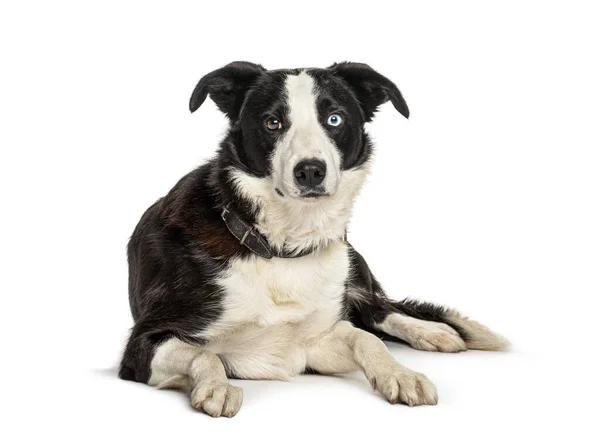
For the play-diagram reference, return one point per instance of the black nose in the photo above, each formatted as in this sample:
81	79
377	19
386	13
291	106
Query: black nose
310	172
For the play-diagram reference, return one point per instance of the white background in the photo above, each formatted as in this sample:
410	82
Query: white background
487	200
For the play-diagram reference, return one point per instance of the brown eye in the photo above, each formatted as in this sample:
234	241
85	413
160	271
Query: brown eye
273	124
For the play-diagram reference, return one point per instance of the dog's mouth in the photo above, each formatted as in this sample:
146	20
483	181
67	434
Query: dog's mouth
311	194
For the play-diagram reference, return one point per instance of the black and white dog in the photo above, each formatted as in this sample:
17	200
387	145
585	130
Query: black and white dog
243	270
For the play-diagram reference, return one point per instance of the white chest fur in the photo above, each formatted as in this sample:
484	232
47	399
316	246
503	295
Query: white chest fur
274	309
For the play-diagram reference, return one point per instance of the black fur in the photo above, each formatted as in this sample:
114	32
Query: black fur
181	243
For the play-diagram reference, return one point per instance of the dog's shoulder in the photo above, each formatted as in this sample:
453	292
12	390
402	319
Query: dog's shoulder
193	206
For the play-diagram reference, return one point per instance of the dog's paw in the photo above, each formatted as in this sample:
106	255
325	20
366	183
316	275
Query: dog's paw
431	336
217	399
401	385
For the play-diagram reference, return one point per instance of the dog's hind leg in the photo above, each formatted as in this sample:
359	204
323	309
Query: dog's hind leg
173	363
422	325
426	325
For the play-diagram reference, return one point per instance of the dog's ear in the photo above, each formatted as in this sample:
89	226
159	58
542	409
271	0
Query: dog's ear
371	88
227	87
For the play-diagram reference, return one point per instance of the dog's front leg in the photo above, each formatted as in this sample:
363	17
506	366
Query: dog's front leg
346	348
180	365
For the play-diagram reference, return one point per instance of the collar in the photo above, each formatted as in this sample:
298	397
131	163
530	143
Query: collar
249	237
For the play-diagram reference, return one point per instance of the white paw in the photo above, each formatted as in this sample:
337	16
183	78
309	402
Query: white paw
217	399
401	385
431	336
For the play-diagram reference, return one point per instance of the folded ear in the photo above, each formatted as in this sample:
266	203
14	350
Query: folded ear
227	87
371	88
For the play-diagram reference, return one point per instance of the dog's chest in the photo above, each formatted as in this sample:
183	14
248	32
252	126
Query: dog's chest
274	308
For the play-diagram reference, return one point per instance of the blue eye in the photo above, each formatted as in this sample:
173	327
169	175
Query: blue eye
334	120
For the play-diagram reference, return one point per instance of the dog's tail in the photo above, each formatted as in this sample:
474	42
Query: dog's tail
474	334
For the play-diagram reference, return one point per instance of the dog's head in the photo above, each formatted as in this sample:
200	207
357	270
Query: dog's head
300	130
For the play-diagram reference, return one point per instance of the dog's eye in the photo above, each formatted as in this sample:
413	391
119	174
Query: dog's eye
273	124
335	120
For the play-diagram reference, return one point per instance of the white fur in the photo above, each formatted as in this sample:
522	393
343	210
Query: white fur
478	335
301	224
274	309
180	365
346	348
304	139
422	334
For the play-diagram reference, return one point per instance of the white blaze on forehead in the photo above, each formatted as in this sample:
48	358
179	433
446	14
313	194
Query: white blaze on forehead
304	138
302	102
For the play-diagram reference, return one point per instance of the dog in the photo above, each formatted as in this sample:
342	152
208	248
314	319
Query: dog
243	269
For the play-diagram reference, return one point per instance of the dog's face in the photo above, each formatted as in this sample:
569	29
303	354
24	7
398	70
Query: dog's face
302	129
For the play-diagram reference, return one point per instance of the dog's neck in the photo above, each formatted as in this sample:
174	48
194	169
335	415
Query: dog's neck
293	225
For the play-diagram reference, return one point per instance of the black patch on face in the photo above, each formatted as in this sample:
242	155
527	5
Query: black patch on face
265	100
334	96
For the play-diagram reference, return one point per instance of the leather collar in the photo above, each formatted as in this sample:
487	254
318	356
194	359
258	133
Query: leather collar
249	237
